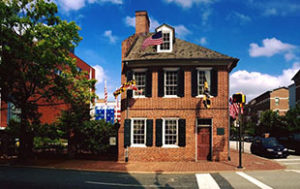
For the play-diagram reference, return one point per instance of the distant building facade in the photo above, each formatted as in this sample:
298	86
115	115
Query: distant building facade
292	96
296	79
48	113
275	100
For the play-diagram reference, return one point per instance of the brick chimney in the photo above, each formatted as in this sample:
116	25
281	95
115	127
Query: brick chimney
142	22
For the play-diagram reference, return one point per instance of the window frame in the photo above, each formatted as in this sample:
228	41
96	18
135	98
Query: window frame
277	100
165	70
165	29
206	70
133	77
132	132
164	145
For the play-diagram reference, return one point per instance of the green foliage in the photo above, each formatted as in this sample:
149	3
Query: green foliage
95	135
271	122
293	119
35	43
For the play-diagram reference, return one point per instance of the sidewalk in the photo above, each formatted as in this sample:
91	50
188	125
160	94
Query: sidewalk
250	162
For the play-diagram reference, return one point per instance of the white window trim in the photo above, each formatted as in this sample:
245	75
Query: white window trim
203	69
163	135
139	70
169	70
165	29
131	132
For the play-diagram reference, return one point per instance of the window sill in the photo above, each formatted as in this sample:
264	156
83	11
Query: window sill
139	97
170	146
138	146
201	96
171	96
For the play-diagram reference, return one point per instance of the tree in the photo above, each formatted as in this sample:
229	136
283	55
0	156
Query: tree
35	43
293	119
271	122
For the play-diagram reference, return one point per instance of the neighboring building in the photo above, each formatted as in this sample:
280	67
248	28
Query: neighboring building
296	79
110	112
168	121
292	96
49	113
275	100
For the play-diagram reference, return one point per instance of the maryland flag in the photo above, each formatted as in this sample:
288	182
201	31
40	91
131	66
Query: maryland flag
206	100
130	85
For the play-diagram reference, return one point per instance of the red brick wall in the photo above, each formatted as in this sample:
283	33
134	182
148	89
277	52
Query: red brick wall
49	113
188	108
283	95
142	23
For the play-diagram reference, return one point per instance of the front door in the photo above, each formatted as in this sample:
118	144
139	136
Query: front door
203	147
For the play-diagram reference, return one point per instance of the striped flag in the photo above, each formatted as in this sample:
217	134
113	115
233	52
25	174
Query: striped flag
155	39
105	94
233	109
117	111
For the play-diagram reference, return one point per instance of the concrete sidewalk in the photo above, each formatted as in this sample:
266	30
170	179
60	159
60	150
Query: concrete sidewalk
250	162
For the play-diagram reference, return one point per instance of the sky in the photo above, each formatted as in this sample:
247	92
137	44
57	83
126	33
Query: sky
263	34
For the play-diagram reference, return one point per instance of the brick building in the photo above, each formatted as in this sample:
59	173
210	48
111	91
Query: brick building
168	121
48	113
275	100
296	79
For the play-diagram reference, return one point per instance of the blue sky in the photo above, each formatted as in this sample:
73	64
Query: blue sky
263	34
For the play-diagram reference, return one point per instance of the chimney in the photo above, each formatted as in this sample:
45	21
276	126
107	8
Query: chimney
142	22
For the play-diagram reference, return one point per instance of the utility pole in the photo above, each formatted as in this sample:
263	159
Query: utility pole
240	138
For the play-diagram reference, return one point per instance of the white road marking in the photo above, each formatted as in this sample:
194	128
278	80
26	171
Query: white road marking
253	180
291	163
205	181
133	185
287	159
292	170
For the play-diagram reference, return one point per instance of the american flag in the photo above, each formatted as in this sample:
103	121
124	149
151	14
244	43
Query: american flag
117	111
233	108
105	94
155	39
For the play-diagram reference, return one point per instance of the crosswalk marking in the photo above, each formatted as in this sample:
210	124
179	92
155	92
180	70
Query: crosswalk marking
292	170
291	163
253	180
287	159
205	181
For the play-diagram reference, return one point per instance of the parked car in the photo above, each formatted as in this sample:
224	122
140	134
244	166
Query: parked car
268	147
292	141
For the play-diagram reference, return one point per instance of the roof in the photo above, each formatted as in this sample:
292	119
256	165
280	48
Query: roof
296	75
181	50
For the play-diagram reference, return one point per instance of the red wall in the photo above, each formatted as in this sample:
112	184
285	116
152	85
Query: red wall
49	113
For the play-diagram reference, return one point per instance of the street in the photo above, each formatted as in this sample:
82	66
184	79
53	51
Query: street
21	177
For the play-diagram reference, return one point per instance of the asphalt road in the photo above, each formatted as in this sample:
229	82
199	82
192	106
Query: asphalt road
17	177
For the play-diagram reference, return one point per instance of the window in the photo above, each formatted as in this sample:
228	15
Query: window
170	85
138	132
202	76
170	132
276	101
204	123
166	44
13	113
140	79
78	69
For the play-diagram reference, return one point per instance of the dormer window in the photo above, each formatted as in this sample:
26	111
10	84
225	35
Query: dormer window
166	43
168	36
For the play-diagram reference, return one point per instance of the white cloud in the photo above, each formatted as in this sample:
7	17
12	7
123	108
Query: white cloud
181	31
255	83
270	47
153	24
130	21
189	3
69	5
203	41
100	74
290	56
108	34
